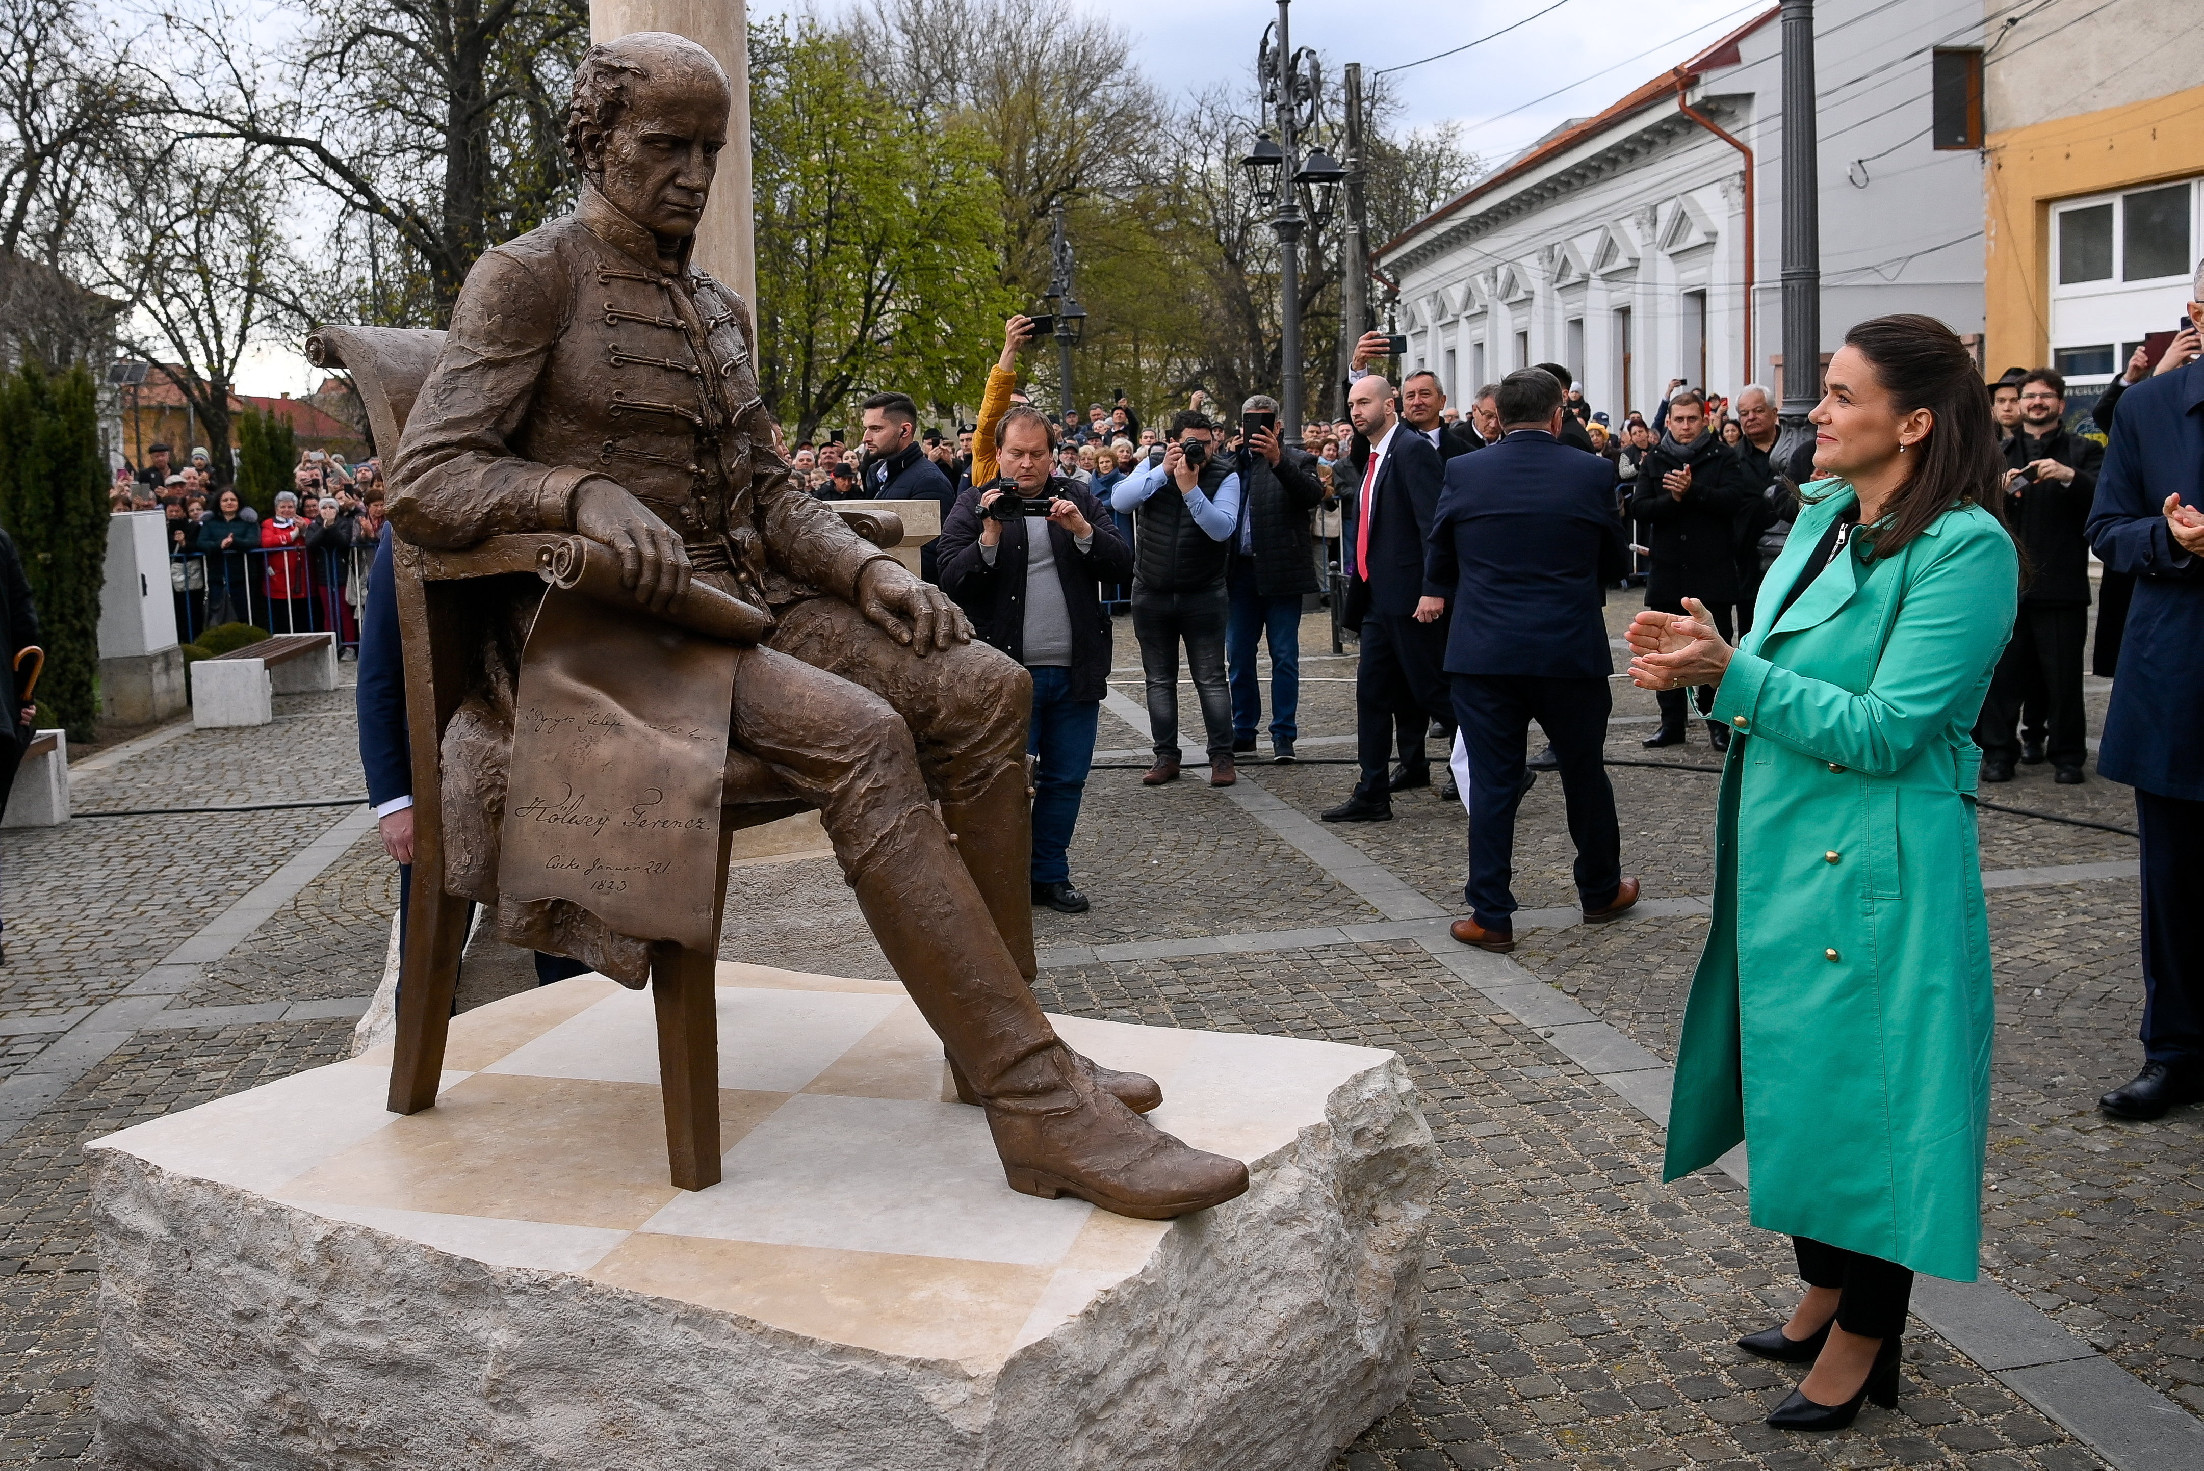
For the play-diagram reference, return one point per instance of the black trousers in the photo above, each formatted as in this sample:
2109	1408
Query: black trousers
2044	661
1876	1293
1675	709
1401	668
1495	711
2173	930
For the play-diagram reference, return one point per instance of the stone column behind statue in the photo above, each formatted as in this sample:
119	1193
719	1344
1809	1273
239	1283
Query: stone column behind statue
726	243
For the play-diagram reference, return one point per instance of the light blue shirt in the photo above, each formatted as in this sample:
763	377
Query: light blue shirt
1216	517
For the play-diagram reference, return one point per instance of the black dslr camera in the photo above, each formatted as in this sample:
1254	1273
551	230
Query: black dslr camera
1011	506
1193	451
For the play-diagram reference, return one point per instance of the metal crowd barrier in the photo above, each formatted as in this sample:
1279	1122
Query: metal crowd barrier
329	586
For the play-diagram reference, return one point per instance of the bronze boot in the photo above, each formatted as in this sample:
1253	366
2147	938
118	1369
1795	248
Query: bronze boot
1137	1091
994	833
1056	1131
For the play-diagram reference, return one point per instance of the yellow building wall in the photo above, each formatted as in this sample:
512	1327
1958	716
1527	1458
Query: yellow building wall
2030	168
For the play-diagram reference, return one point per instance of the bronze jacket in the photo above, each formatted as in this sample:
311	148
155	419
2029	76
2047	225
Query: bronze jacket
574	353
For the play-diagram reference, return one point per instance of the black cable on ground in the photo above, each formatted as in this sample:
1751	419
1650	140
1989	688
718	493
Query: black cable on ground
194	811
2103	827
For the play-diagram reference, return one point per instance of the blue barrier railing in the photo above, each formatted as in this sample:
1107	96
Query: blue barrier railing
293	589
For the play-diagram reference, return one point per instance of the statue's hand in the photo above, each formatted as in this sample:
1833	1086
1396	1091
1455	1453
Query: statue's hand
653	562
913	612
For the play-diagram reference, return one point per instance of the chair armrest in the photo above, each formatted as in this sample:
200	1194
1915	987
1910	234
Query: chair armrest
494	557
881	528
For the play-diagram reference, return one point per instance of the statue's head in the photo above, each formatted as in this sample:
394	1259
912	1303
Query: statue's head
648	119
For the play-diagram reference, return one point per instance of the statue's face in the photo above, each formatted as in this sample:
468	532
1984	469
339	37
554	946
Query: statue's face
656	165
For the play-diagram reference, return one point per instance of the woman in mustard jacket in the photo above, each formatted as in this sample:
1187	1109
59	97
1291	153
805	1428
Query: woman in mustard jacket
1840	1018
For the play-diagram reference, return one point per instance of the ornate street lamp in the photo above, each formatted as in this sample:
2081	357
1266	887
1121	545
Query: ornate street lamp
1298	185
1071	317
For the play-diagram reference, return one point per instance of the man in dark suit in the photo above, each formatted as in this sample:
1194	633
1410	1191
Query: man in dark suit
1523	545
386	754
1572	428
1387	516
2148	522
897	468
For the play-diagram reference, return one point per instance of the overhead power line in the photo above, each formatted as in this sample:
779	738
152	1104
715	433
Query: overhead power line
1458	50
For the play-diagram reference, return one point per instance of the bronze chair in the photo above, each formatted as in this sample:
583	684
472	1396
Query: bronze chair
388	366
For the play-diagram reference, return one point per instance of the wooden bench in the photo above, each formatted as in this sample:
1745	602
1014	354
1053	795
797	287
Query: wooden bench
40	796
238	688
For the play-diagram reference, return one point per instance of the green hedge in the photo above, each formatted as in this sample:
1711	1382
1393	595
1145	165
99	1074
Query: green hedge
228	638
53	501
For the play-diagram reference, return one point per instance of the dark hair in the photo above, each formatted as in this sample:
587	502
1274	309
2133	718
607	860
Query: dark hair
1558	373
894	406
1024	414
159	447
1687	396
1421	373
1527	396
1186	419
1922	364
2048	377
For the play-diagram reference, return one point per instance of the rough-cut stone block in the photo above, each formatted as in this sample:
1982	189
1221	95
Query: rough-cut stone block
293	1278
142	689
40	796
316	669
230	692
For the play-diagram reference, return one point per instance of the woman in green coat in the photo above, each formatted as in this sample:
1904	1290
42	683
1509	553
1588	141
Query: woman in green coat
1840	1019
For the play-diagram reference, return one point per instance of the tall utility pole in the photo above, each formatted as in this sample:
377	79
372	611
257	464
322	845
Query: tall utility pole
1293	96
1354	263
1801	219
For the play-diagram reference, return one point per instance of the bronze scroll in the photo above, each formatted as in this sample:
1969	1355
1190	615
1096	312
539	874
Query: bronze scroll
620	726
593	569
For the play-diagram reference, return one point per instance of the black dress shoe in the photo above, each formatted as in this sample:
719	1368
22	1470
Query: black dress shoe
2031	753
2070	776
1800	1413
1061	897
1445	790
1997	771
1363	806
1281	753
1718	736
1545	760
2152	1091
1773	1343
1664	737
1241	745
1407	778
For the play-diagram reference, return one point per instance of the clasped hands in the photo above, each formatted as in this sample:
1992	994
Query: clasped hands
2185	525
655	566
1672	651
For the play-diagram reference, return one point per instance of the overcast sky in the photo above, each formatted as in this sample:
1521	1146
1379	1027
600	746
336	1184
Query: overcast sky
1573	60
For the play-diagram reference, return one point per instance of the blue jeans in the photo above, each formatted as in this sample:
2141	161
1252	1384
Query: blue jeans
1250	619
1062	735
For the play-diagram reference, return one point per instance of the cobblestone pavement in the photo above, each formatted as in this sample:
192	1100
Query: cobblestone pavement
1580	1312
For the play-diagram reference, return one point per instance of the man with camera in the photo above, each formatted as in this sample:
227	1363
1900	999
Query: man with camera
1185	509
1270	573
1025	558
2048	489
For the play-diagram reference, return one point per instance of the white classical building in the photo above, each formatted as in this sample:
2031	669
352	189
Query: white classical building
1645	243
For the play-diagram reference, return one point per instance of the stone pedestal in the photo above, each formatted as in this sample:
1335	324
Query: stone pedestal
142	689
306	673
227	692
40	795
294	1278
141	670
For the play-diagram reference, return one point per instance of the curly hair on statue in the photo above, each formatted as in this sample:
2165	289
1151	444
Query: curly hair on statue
600	96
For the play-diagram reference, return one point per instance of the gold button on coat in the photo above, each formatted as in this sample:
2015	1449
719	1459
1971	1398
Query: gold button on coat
1831	856
1831	954
1834	767
1739	721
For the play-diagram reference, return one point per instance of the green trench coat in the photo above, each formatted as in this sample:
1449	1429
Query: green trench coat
1840	1018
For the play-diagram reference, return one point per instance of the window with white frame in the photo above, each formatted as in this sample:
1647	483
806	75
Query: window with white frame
2120	269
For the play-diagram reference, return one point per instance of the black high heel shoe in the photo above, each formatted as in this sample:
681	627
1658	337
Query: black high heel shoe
1800	1413
1774	1343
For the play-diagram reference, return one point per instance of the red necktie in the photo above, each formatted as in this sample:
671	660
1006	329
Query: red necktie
1362	521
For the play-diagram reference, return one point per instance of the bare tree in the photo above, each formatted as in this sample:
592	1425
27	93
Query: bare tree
438	123
213	273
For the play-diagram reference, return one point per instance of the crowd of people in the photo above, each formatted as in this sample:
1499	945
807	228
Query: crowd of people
300	569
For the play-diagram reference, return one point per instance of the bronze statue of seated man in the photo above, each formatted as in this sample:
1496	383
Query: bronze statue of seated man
594	383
